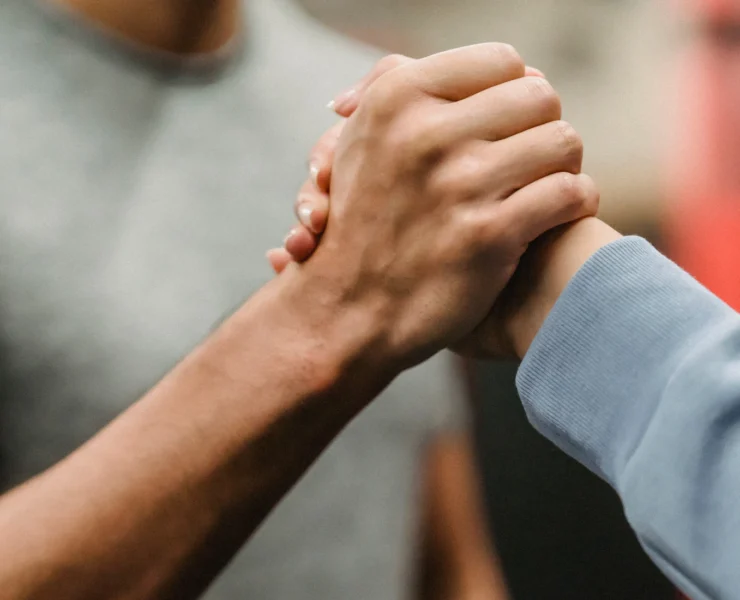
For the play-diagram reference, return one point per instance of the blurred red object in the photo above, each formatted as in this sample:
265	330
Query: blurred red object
703	224
712	9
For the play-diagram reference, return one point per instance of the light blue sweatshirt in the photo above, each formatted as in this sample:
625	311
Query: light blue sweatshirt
636	373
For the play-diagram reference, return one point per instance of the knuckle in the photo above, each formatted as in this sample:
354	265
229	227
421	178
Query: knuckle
572	191
390	62
403	145
327	143
450	185
592	195
460	180
500	232
467	236
319	152
304	199
494	234
470	169
480	232
304	192
417	139
507	54
307	188
568	139
385	97
544	94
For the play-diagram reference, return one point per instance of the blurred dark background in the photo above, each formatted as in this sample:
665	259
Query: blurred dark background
559	530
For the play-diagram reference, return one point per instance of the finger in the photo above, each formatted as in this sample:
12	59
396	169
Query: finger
300	243
548	203
321	158
516	162
346	103
463	72
279	259
505	110
312	208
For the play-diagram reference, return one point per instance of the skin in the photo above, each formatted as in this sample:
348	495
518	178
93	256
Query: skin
520	311
158	502
458	559
542	278
544	272
453	513
312	203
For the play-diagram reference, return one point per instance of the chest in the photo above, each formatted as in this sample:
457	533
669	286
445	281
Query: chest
120	251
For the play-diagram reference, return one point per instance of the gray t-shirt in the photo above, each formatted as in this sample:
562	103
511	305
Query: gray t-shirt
136	210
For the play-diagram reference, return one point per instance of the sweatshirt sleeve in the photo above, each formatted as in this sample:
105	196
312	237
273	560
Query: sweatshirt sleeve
636	373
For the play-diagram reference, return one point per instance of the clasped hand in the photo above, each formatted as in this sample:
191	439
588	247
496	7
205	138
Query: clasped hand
441	174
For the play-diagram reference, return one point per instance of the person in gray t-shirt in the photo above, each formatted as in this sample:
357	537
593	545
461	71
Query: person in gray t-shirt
143	164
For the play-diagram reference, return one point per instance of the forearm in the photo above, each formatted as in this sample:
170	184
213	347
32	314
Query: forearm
634	373
157	503
459	560
546	271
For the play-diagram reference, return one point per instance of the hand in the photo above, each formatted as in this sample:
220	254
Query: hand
543	274
312	205
541	163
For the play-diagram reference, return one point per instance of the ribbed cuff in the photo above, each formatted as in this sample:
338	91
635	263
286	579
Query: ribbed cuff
593	375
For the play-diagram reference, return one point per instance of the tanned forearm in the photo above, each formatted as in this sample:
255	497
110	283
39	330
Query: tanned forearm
181	27
158	502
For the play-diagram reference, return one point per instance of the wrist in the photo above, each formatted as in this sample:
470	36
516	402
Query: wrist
552	262
337	341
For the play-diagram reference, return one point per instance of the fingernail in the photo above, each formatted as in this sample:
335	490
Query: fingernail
342	99
314	170
304	215
332	105
291	233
